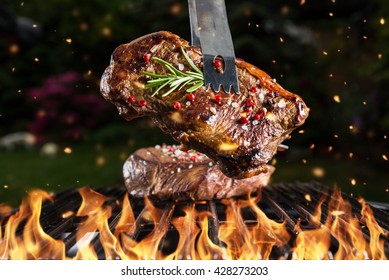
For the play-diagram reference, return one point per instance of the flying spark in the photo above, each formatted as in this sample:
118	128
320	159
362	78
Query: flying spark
336	98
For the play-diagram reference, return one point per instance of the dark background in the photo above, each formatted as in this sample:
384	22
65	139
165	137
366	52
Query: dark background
334	54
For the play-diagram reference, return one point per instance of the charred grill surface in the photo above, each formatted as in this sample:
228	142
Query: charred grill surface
239	132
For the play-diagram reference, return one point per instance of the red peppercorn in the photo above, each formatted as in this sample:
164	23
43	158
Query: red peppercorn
193	158
142	103
217	63
131	99
218	98
254	89
177	105
191	97
243	120
258	115
146	57
250	103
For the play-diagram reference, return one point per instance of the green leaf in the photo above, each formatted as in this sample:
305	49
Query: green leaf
176	79
195	87
185	84
191	64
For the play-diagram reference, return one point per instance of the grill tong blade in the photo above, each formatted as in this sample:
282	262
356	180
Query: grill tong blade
210	31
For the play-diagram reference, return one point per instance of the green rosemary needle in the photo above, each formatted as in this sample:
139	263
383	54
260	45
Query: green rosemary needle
176	79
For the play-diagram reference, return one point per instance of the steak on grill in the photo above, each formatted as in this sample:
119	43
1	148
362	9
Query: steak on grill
166	172
239	132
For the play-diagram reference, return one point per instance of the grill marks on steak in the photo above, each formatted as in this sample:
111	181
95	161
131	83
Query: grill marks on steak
169	173
240	133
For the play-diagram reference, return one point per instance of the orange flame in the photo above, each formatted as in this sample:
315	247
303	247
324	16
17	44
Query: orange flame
23	237
32	243
244	242
345	228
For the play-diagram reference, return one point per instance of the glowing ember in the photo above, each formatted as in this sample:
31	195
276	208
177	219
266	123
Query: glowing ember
23	237
67	214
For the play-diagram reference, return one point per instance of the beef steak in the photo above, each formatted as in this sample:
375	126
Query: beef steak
239	132
166	172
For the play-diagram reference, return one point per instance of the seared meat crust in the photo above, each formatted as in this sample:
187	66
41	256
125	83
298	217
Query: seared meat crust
239	132
166	172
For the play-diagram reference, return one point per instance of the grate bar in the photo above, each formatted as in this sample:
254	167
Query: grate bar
213	224
294	203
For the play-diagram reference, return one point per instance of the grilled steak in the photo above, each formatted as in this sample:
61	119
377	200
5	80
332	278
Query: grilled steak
239	132
169	173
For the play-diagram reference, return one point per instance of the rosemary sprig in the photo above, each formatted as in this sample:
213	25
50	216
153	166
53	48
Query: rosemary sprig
176	79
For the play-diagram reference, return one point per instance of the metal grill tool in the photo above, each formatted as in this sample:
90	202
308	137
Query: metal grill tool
210	31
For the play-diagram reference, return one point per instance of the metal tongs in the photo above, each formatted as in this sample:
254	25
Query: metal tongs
210	30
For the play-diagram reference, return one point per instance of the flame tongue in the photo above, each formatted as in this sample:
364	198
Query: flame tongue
23	237
376	244
250	242
341	225
33	243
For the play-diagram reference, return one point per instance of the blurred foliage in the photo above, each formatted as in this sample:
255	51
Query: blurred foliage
65	111
334	54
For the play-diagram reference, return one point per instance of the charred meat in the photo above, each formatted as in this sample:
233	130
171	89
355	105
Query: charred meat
166	172
239	132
